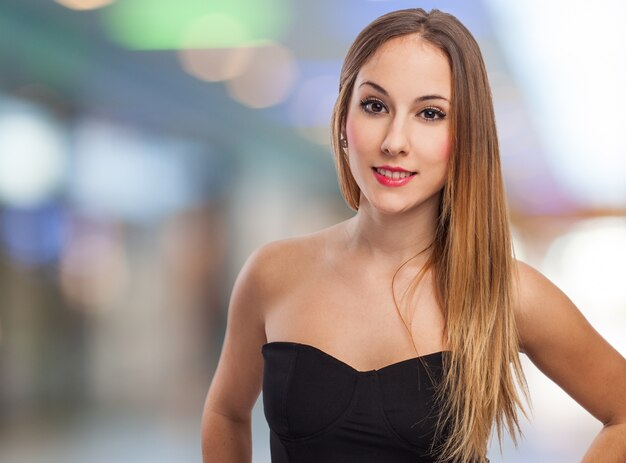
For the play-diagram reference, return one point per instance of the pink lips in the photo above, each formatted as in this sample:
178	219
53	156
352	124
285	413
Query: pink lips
390	181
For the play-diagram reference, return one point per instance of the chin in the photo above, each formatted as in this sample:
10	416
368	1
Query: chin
391	207
399	204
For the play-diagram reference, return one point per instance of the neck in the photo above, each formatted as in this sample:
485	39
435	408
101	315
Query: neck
389	240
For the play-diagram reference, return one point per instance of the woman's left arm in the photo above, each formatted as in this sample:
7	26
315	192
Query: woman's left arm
560	341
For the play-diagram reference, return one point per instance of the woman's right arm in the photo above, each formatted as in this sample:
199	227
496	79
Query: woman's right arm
237	382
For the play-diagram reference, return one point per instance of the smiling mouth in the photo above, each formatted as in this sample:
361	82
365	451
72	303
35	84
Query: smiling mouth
395	175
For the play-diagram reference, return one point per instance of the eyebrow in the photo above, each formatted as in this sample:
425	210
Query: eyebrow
418	99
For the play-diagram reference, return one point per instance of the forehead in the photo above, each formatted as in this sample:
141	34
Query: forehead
408	64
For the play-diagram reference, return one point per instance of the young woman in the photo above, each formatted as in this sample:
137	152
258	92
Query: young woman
395	336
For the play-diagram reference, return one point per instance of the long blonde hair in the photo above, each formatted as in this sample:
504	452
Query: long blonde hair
471	256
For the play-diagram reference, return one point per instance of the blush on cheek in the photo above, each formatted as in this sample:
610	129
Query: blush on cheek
445	149
362	135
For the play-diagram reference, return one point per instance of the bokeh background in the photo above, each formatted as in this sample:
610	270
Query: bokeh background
148	146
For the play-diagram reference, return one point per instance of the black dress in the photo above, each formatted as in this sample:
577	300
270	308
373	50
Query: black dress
321	410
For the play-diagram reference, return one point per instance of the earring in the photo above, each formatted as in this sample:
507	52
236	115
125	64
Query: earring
344	143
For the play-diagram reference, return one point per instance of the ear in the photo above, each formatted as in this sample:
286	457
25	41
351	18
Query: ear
343	140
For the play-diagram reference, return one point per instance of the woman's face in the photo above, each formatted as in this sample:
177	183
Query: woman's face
398	117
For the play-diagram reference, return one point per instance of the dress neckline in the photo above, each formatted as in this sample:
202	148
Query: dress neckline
279	344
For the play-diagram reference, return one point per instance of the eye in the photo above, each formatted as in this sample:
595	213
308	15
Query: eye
373	105
432	114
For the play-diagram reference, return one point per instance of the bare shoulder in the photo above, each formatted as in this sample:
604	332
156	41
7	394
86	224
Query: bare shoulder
558	339
281	253
264	276
530	287
276	266
536	300
530	281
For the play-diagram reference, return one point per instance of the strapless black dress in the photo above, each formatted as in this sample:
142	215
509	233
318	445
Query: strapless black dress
321	410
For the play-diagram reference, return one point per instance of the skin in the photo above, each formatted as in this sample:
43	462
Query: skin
306	289
385	125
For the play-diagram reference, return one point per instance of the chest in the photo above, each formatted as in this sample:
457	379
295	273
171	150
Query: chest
350	313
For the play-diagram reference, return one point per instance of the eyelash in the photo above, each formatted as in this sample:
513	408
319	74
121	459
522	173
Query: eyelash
367	101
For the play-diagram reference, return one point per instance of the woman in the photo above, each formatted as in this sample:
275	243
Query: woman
394	336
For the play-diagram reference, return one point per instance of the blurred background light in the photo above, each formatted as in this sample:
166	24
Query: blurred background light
311	107
215	64
344	20
33	236
120	172
574	81
93	268
589	264
519	246
84	4
268	78
32	154
169	24
217	30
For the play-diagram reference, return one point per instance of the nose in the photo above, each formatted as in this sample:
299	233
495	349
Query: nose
396	141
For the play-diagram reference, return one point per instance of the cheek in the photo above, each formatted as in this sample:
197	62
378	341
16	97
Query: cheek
444	154
359	134
435	151
445	150
352	131
438	159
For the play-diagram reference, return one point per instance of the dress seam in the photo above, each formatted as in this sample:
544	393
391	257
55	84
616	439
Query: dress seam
388	426
292	362
340	417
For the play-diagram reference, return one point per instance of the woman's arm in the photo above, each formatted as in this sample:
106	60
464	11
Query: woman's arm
565	347
237	382
609	445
